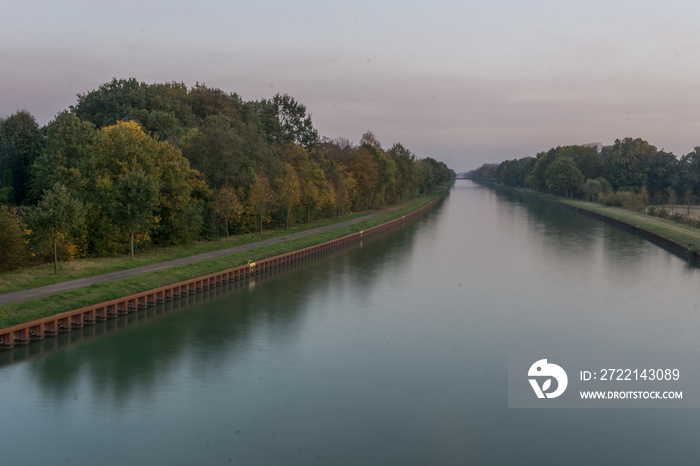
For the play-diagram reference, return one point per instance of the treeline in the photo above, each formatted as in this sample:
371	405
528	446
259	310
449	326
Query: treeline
135	165
629	173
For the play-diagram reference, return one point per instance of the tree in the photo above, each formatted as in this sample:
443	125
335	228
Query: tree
587	159
690	165
365	172
688	199
605	186
563	176
7	188
407	171
386	169
537	178
285	121
179	206
591	188
434	173
672	197
329	199
514	172
227	206
228	152
67	153
643	196
628	163
57	215
117	100
21	142
260	200
13	248
207	101
135	196
289	190
662	172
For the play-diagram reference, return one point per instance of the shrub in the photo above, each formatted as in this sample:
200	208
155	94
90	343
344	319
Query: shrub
625	199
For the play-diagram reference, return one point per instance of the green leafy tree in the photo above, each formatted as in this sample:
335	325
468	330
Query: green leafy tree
628	163
178	198
58	214
591	189
690	166
7	188
434	174
587	159
663	171
207	101
117	100
537	178
228	152
407	171
285	121
21	142
605	186
135	196
563	176
68	152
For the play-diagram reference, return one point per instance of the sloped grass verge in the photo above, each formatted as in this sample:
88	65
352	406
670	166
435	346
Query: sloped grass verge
33	309
42	275
684	235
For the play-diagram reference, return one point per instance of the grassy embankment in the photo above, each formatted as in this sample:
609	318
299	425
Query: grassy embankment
682	234
26	311
42	275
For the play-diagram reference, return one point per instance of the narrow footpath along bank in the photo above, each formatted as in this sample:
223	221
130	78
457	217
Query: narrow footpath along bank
51	325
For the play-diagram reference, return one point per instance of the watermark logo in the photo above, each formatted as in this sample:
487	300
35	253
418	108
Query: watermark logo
545	372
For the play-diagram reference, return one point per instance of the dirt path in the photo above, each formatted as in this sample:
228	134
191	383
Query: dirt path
107	277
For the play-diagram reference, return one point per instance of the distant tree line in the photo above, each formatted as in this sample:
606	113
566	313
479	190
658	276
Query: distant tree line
135	165
630	173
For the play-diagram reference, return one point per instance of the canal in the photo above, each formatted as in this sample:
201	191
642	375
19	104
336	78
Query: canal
394	351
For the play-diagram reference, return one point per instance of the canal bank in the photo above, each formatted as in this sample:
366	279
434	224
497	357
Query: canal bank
38	329
395	352
681	240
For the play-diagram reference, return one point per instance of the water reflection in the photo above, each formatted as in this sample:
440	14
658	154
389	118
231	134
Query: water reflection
133	353
394	352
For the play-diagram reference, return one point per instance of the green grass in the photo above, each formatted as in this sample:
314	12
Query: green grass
678	232
682	234
26	311
34	277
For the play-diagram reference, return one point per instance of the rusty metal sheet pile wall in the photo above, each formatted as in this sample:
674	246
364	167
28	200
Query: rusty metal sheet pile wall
65	322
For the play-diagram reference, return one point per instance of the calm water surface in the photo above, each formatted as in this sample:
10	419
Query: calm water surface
393	352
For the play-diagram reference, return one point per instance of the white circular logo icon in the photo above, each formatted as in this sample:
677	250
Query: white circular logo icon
545	372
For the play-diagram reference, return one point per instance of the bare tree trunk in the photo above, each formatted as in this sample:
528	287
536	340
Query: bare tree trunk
227	230
132	244
55	255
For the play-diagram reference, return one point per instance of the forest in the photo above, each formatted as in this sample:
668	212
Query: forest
631	173
133	166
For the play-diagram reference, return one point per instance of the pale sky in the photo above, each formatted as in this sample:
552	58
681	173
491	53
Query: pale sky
464	82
